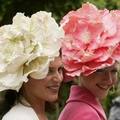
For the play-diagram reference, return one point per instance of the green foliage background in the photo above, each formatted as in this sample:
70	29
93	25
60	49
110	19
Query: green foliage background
59	8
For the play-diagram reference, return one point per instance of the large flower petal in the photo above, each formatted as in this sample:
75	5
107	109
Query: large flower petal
91	41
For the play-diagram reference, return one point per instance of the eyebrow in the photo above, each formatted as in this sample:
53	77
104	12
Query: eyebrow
105	69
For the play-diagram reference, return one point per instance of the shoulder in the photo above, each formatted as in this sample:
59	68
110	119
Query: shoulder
80	106
86	112
79	110
20	112
84	109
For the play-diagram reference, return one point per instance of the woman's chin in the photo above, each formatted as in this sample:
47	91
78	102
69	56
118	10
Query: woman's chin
53	98
103	96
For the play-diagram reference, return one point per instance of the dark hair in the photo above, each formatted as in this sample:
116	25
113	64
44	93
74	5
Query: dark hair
9	98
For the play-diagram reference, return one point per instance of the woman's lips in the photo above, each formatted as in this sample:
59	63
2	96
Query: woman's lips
54	88
104	87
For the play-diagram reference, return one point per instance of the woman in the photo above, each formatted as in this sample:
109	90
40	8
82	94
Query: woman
30	64
90	53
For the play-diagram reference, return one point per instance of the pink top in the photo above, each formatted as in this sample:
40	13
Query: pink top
82	105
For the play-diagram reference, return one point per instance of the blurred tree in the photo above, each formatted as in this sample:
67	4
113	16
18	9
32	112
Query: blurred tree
59	8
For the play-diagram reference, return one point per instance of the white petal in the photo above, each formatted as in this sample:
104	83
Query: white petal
11	81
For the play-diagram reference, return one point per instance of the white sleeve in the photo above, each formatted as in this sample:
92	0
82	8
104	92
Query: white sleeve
20	112
13	116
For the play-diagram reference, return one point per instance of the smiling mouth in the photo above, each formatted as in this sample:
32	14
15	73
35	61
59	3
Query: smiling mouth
103	87
54	88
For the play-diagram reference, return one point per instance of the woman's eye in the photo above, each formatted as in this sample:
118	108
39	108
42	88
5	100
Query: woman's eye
51	70
114	71
100	71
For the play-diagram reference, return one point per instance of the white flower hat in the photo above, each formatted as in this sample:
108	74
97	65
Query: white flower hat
27	46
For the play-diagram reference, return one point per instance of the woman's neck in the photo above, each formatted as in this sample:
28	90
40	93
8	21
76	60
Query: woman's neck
39	108
37	104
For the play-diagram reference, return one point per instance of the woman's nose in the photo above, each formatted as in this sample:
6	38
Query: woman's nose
111	79
58	77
